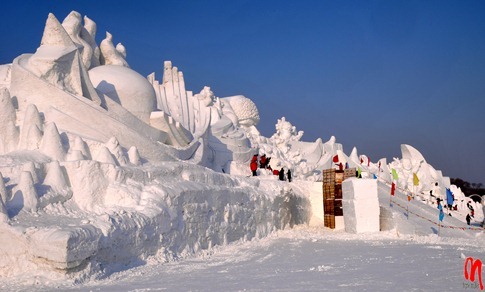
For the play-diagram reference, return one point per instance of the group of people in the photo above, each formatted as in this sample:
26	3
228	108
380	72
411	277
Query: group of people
281	174
264	164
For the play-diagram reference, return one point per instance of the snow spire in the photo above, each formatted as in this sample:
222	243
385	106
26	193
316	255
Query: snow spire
25	196
105	156
7	115
134	156
51	143
31	118
55	177
55	34
34	138
30	167
11	137
80	145
354	156
115	149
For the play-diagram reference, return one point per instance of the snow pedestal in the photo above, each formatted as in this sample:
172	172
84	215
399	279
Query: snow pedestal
360	205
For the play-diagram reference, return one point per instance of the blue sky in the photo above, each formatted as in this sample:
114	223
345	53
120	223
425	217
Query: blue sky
376	74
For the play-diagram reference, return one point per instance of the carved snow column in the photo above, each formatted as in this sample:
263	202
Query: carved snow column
8	131
184	105
171	95
52	144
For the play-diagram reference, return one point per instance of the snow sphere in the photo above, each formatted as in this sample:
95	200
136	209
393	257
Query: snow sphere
126	87
245	110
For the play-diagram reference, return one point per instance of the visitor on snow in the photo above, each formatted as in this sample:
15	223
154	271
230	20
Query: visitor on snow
470	207
254	165
281	174
468	219
288	175
438	201
262	161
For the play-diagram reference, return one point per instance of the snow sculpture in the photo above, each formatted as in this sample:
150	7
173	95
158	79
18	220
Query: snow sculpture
88	34
73	27
73	103
413	162
285	132
110	55
244	109
197	113
360	205
58	61
126	87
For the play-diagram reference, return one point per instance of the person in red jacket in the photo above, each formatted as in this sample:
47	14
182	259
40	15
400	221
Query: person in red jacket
254	164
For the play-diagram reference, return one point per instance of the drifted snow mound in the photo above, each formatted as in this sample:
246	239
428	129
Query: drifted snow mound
126	87
245	110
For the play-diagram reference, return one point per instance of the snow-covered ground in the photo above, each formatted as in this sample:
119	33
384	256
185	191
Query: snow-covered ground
299	259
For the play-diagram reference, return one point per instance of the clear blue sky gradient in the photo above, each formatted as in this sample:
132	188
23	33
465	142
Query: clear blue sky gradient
375	74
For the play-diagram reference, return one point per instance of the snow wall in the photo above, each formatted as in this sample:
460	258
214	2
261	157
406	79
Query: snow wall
121	217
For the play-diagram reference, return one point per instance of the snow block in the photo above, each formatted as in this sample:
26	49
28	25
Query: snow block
360	205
